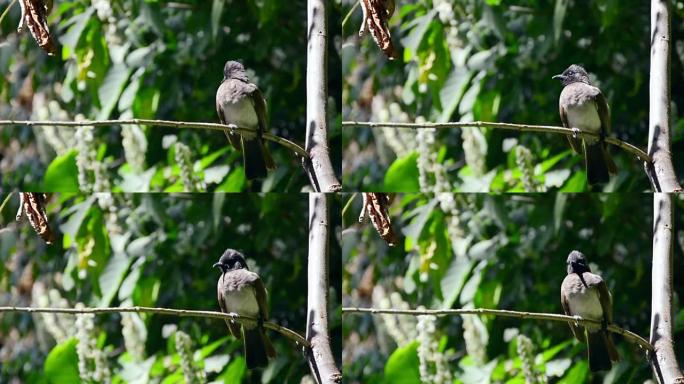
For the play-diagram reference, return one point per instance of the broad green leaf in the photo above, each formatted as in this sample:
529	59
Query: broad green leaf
61	364
112	86
216	12
62	174
235	182
402	175
403	366
579	373
112	276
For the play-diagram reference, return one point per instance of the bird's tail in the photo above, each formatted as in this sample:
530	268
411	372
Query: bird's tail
601	351
598	162
258	347
257	158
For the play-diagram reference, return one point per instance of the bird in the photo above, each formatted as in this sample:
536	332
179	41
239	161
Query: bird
241	291
240	102
583	107
585	294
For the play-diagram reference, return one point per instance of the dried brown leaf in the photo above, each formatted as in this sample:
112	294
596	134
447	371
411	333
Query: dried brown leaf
34	16
376	15
33	206
376	206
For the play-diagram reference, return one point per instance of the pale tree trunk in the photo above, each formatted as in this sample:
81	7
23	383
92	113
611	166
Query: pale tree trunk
661	171
664	361
321	359
318	165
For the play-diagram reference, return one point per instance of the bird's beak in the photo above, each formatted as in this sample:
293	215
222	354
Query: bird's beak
216	265
559	77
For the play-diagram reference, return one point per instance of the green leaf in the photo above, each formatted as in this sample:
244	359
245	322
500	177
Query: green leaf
235	182
112	276
62	174
216	12
402	175
111	88
235	372
577	374
402	366
61	365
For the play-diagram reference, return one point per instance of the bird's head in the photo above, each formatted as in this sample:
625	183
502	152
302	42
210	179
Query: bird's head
573	74
234	70
231	260
577	263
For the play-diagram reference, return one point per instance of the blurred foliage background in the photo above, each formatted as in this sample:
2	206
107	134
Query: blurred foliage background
154	60
504	252
153	250
493	61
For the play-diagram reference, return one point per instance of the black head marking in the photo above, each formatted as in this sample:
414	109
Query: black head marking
573	74
577	263
231	260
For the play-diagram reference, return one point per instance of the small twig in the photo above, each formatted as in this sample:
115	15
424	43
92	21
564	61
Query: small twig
349	203
639	153
290	334
504	313
4	202
6	11
160	123
351	11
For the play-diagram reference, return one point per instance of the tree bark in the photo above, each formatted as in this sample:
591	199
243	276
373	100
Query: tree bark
318	165
321	359
664	361
665	178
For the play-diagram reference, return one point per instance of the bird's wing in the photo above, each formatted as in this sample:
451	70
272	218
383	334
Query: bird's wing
576	331
234	328
261	296
605	299
603	111
575	143
259	108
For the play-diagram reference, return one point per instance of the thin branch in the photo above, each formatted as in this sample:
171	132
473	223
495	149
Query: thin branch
160	123
6	11
631	336
639	153
290	334
351	11
321	359
321	171
348	204
664	364
4	202
659	129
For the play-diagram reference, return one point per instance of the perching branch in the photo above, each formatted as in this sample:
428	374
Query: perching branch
290	334
631	336
160	123
659	99
639	153
321	359
318	163
664	365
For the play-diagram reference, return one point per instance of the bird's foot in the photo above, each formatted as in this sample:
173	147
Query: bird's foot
604	325
576	133
577	320
233	129
233	317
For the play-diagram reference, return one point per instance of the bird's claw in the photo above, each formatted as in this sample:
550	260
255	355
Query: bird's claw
233	129
575	133
233	317
577	320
